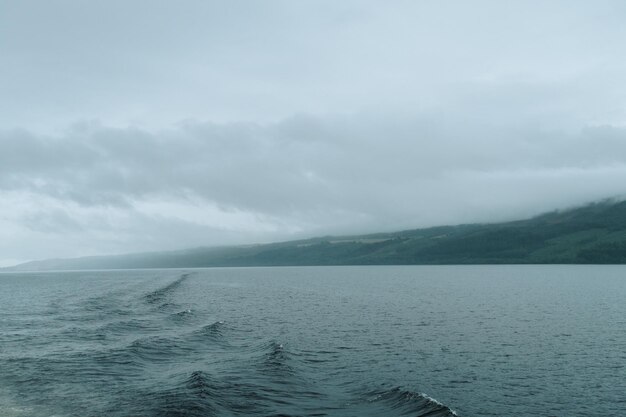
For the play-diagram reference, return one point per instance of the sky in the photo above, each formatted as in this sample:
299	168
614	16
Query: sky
142	125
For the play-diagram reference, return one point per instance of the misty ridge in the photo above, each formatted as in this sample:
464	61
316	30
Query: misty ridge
205	184
593	234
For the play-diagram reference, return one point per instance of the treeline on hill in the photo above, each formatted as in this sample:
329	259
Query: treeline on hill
594	234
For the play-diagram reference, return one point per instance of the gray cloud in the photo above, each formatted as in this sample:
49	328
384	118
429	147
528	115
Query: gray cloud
202	183
155	63
158	125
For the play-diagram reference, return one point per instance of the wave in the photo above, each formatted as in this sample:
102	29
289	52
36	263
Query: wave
164	360
237	389
160	294
410	403
132	359
210	335
14	410
213	329
276	354
194	397
126	326
202	395
182	316
109	303
156	348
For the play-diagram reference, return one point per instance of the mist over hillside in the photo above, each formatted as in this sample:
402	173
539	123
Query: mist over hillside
593	234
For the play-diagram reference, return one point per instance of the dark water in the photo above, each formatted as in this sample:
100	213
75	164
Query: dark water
346	341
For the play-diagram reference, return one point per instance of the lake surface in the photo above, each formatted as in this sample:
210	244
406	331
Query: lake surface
318	341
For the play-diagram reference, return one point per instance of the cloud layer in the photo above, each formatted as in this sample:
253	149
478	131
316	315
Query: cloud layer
145	125
100	189
154	63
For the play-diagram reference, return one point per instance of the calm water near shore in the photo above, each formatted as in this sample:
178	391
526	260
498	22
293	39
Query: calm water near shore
315	341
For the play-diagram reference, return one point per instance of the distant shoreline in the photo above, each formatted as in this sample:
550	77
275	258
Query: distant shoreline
591	235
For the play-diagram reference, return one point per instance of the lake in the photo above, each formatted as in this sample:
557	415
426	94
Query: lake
315	341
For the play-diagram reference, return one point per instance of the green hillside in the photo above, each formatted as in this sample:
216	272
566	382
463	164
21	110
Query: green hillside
594	234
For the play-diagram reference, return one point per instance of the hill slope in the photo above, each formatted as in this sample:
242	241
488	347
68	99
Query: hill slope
593	234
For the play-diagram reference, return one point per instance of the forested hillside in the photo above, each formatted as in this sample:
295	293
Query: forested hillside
594	234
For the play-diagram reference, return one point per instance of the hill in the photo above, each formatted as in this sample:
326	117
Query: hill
593	234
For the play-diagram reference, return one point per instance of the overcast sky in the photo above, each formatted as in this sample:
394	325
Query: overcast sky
138	125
